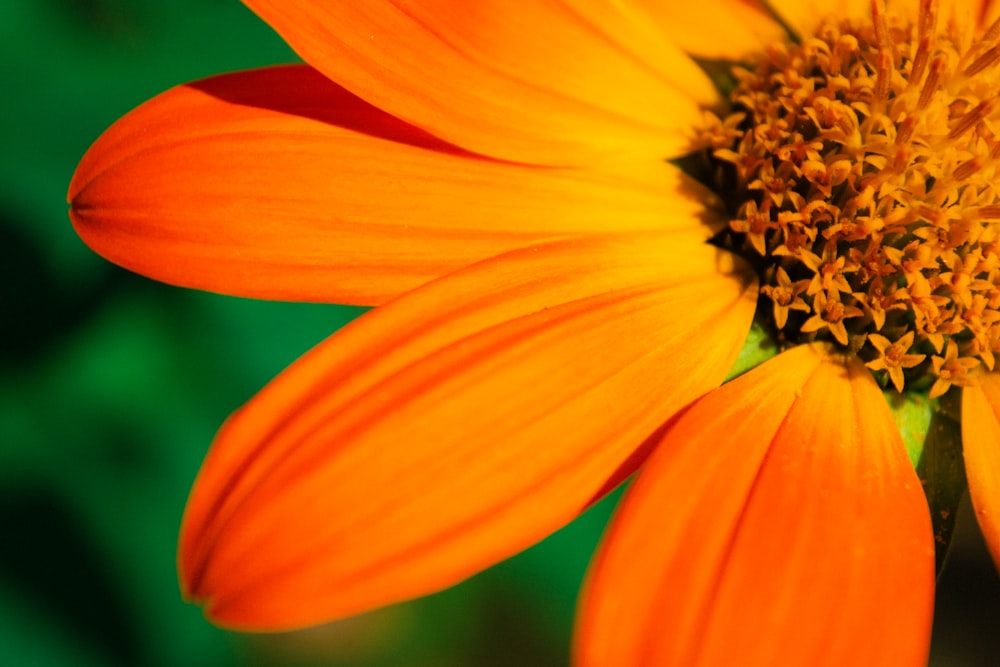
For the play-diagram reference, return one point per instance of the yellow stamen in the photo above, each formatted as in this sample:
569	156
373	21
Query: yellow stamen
860	167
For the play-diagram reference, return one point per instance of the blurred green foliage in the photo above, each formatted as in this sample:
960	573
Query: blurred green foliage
111	387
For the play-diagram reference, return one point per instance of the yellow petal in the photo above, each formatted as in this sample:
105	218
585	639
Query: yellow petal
803	17
722	29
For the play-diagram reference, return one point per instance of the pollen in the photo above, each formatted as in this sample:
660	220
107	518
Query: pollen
861	170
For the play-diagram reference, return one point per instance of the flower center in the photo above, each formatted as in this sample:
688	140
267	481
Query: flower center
860	168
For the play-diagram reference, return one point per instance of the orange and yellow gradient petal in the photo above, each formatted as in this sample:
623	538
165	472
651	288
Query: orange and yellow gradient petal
552	83
455	426
279	184
716	29
779	522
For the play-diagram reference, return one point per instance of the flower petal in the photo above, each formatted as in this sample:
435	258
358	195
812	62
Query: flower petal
803	17
723	29
454	426
542	82
278	184
778	522
981	450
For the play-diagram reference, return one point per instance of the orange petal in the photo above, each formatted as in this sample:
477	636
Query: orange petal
454	426
779	522
722	29
551	83
981	449
278	184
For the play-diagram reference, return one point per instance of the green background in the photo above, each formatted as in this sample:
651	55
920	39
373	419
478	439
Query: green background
111	387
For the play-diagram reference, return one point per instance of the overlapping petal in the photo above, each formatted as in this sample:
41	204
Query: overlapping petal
779	522
554	82
455	426
981	449
278	184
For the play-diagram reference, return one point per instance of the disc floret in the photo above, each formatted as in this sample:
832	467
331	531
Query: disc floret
860	168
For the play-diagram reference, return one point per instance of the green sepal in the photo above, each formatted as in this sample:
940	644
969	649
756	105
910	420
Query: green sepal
758	347
933	437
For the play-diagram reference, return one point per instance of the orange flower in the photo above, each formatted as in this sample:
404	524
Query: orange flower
559	302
